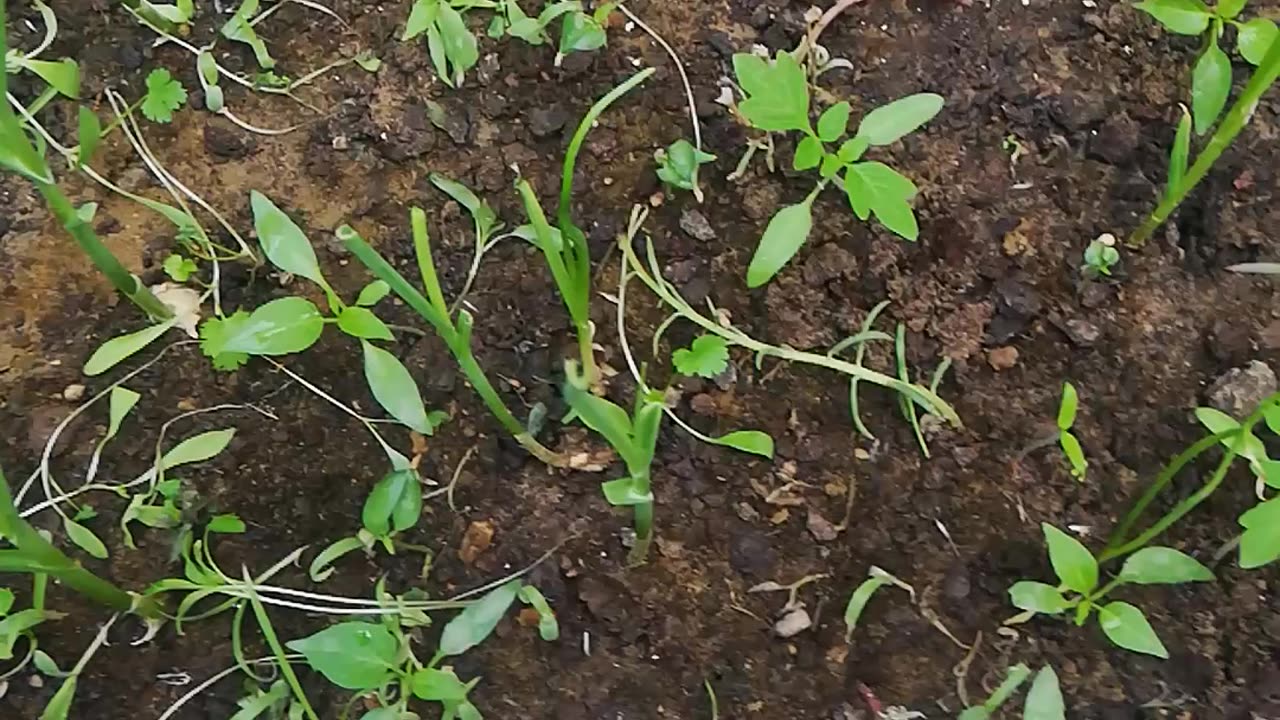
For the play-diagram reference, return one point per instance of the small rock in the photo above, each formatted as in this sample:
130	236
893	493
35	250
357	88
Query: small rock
73	393
224	143
821	528
1116	141
1002	358
478	538
703	404
341	142
544	122
751	554
1081	332
695	224
793	623
1238	391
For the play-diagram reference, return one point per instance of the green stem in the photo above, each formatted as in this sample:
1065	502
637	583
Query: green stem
457	339
1234	122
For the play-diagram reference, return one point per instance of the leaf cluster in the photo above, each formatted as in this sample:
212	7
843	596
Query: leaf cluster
1260	542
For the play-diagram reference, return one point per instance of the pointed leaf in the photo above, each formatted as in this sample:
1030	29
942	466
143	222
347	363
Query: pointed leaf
59	707
605	418
833	123
197	448
1127	627
782	239
1038	597
384	498
89	133
1180	155
1067	408
118	349
470	627
281	327
422	16
121	401
438	685
808	154
1071	560
320	568
283	242
226	525
748	441
1163	566
394	389
63	76
84	538
1185	17
1256	37
360	322
889	123
1044	700
352	655
373	293
1260	543
6	601
1210	87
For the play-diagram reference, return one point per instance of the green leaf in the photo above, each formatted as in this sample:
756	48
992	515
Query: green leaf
777	92
179	268
13	626
281	327
45	665
395	503
1256	37
213	335
1230	8
89	133
439	685
1163	566
320	568
84	538
1067	408
889	123
226	525
1071	560
1127	627
1260	543
459	44
197	448
240	29
748	441
548	626
876	187
1037	597
1180	155
59	707
808	154
707	357
6	601
63	75
1218	422
1271	414
605	418
283	242
831	166
782	239
471	626
579	32
1210	87
1044	699
394	389
422	16
361	323
626	492
373	293
1185	17
367	61
352	655
1075	454
678	164
858	602
833	122
852	149
118	349
164	96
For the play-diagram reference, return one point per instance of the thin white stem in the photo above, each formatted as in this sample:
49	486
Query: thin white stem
195	691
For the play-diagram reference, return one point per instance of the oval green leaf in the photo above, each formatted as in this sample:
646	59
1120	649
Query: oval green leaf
283	242
373	293
352	655
787	231
748	441
281	327
1044	700
394	388
1260	543
360	322
808	154
1037	597
197	448
1185	17
84	538
471	626
1127	627
118	349
833	122
1067	409
1210	86
1163	566
1071	560
439	686
1256	37
889	123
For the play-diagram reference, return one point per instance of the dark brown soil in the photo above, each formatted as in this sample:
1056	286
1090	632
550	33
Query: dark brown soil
1089	94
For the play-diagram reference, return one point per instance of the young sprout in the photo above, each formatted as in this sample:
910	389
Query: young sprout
1100	257
678	166
1070	445
778	101
1044	699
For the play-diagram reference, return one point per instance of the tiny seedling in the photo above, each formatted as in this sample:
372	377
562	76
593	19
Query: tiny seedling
876	579
483	218
1211	75
1211	88
635	439
1044	699
565	245
1078	589
1100	257
777	100
1070	444
678	166
165	95
707	356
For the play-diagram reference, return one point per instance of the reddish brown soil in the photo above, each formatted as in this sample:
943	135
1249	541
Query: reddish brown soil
1089	94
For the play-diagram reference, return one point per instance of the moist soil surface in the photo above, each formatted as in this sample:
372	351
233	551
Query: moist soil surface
1057	122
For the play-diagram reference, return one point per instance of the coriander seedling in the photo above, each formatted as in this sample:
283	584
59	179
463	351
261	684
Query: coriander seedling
777	100
1070	445
678	166
1100	257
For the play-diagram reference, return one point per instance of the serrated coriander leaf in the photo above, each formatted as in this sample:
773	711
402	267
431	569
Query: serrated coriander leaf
118	349
360	322
84	538
283	242
874	187
1067	408
1044	699
1256	37
1038	597
1210	87
164	96
1260	543
475	623
197	448
786	232
1071	560
833	122
1185	17
394	389
1127	627
281	327
1163	566
213	336
777	92
707	357
889	123
352	655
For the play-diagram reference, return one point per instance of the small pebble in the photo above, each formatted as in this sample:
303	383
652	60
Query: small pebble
1002	358
73	393
793	623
